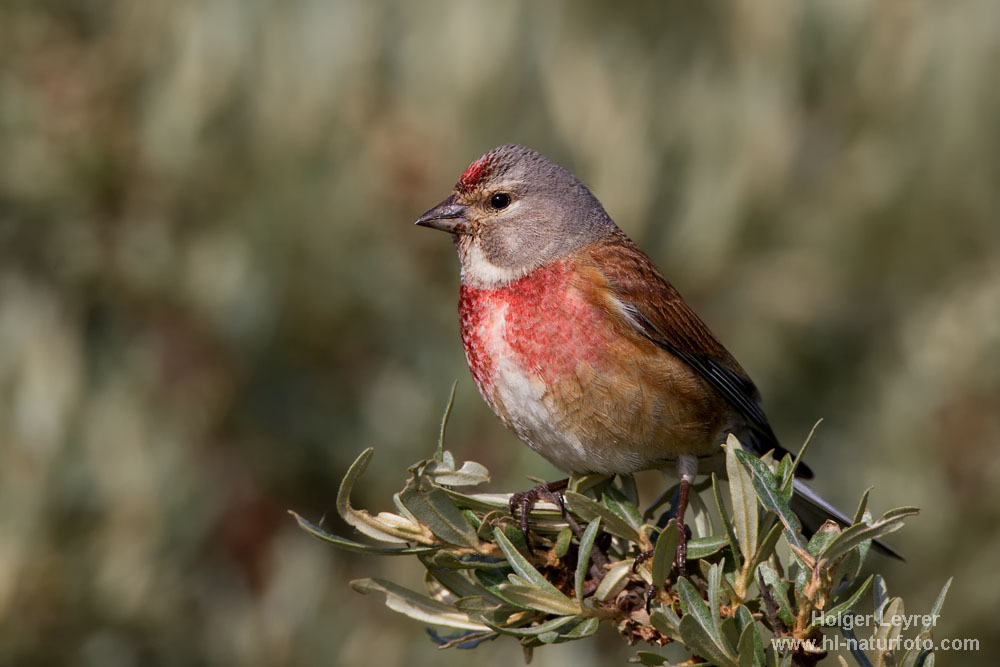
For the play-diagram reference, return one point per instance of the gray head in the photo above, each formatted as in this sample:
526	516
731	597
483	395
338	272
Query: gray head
512	211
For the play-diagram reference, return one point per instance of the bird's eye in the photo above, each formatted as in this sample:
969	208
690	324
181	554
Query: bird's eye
500	200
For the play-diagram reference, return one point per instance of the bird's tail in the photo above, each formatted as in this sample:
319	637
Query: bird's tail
813	510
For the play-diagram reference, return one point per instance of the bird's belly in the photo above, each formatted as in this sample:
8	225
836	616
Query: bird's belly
568	385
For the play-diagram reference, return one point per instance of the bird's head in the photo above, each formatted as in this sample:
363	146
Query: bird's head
513	211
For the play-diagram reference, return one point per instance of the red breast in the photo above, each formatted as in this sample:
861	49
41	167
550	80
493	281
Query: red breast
555	361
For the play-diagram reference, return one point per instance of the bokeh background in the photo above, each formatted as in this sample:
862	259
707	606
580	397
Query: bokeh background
212	297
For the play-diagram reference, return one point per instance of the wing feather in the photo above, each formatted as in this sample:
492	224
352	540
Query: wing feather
658	312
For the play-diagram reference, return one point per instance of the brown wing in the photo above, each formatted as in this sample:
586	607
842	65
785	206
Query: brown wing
658	312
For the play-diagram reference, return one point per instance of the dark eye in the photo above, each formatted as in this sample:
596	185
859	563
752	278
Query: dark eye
500	200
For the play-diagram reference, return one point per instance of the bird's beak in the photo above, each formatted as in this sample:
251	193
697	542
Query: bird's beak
448	216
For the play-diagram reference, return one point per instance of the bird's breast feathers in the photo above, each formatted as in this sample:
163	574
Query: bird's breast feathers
556	359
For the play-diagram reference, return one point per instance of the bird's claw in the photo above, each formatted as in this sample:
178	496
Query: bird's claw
523	502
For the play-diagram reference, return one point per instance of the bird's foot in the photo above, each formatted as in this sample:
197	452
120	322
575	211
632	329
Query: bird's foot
642	558
523	502
681	557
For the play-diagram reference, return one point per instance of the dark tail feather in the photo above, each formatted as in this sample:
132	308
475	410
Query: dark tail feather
813	510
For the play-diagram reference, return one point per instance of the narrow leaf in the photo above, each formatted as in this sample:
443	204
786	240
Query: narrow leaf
786	482
779	590
698	640
698	627
765	486
563	540
416	606
726	525
525	569
585	629
666	622
664	552
751	649
936	609
439	455
535	630
615	579
589	510
438	512
832	615
540	599
858	533
362	520
470	474
357	547
617	502
887	632
583	556
744	500
702	547
859	514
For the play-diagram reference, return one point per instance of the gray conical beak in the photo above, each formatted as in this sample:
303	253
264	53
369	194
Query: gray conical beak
448	216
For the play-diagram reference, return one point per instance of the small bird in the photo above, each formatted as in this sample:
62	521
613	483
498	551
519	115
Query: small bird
580	345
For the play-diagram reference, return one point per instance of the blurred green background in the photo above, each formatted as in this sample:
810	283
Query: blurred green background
212	297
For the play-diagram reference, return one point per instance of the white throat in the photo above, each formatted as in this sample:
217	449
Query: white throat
478	271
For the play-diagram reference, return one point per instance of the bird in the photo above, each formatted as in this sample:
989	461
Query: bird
581	346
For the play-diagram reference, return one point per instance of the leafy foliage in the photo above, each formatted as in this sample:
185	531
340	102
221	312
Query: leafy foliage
601	559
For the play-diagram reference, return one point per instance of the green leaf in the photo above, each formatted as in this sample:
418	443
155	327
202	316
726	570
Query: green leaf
699	641
700	628
698	518
887	632
615	579
849	567
650	659
563	541
766	488
666	622
583	556
447	559
767	545
459	584
784	477
415	605
788	482
859	515
540	599
664	552
357	547
480	611
938	603
526	570
743	617
751	649
880	596
585	629
853	536
819	541
535	630
832	615
744	500
779	589
617	502
470	474
726	525
439	454
434	509
714	586
589	509
398	532
630	490
702	547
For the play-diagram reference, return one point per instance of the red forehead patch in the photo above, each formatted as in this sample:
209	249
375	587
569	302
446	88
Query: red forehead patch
475	173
